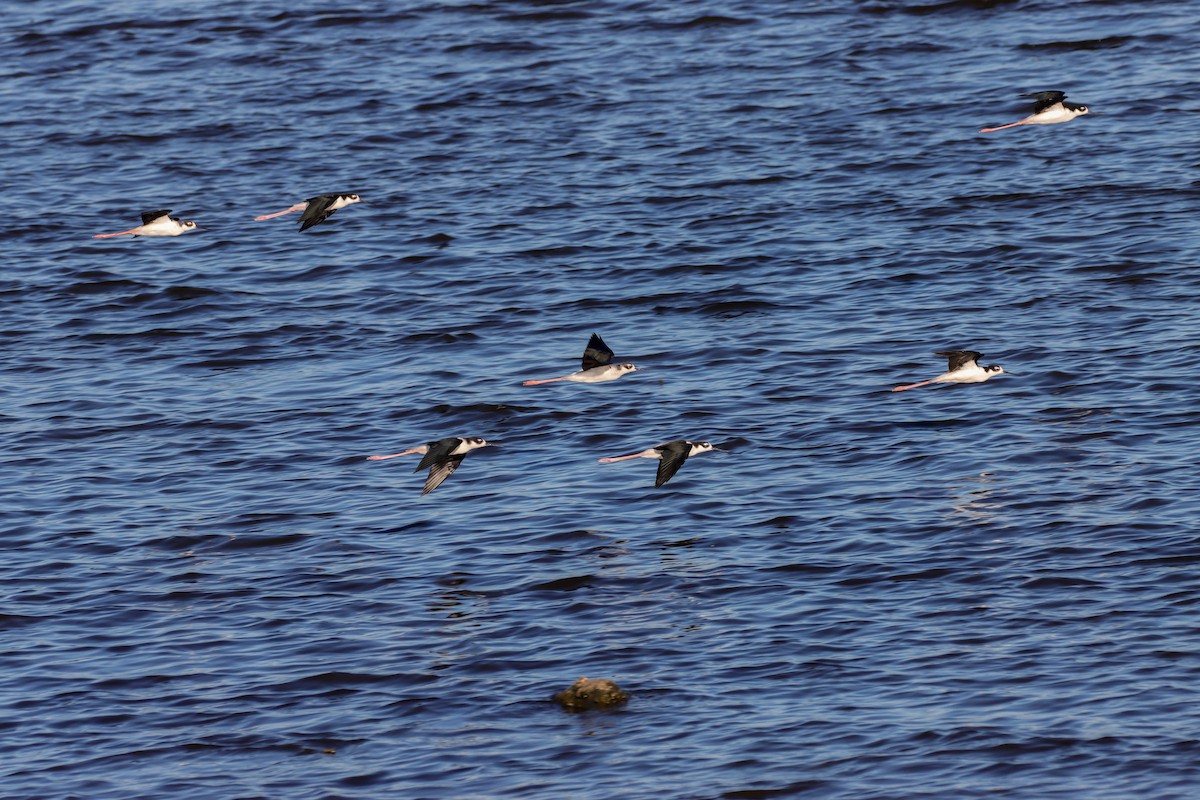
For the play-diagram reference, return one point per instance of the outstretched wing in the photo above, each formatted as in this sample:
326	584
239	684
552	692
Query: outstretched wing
437	451
1043	100
318	210
150	216
673	456
597	353
440	471
959	358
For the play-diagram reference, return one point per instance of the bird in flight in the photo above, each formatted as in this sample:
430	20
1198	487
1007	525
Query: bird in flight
154	223
441	457
316	209
1049	108
670	457
963	368
597	366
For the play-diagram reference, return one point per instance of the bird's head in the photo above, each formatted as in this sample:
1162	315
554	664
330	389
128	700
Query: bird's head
994	369
351	198
701	447
189	225
474	443
626	367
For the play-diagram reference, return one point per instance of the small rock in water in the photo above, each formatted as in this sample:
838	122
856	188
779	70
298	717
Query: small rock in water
587	693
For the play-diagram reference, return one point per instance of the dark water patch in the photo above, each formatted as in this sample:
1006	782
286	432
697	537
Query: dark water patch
339	20
715	21
440	337
106	28
153	334
551	15
435	239
950	6
442	262
239	359
104	287
1104	43
326	681
793	789
570	584
560	251
188	292
737	308
496	47
242	541
15	621
1051	582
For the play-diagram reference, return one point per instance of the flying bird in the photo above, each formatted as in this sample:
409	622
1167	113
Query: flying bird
154	223
1049	108
597	366
670	457
964	368
441	457
316	209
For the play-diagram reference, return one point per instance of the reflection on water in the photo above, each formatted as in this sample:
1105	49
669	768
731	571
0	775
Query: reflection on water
971	500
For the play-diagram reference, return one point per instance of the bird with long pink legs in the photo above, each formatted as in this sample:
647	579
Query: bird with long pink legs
597	366
670	457
316	209
154	223
441	457
963	368
1049	108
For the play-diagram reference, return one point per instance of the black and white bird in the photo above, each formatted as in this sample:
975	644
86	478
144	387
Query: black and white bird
964	368
316	209
1049	108
670	457
597	366
154	223
441	457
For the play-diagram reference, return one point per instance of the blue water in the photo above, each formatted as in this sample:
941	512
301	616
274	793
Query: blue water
780	210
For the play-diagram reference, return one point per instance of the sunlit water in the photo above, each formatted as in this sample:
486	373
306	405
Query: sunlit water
780	211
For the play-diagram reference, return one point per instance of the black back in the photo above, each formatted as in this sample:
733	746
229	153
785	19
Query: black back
672	458
597	353
440	462
437	452
1043	100
959	358
318	210
150	216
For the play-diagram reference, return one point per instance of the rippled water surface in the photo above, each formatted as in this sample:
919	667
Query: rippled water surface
779	210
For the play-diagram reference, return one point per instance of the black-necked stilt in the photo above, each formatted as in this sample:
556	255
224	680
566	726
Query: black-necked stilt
154	223
442	457
670	457
963	369
1049	108
597	366
316	209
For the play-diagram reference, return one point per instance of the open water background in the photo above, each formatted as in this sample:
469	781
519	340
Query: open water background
780	209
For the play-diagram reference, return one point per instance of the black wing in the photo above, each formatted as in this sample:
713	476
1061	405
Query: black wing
318	210
440	471
150	216
597	353
959	357
1043	100
438	451
673	456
